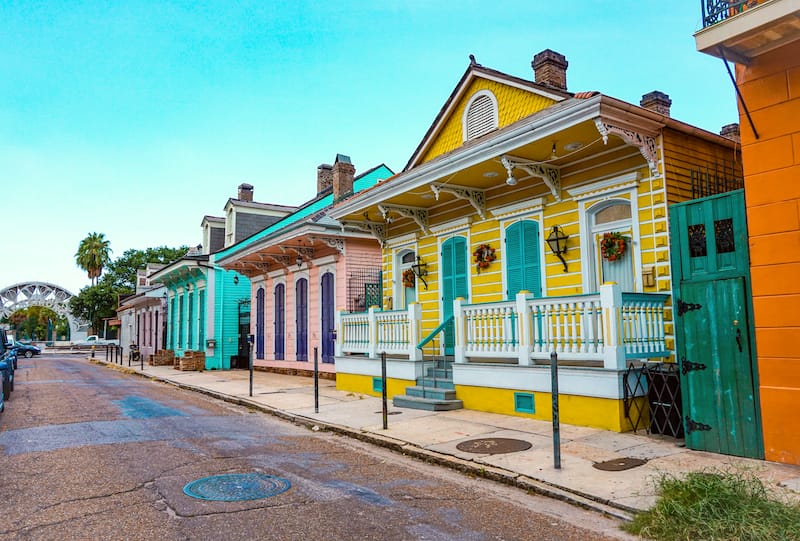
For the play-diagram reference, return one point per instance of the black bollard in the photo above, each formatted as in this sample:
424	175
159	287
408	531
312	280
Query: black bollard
316	382
554	396
383	392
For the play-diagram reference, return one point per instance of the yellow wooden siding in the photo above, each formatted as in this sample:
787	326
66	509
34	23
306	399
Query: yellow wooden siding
683	153
512	105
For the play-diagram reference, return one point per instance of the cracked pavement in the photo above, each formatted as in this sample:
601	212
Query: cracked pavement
92	453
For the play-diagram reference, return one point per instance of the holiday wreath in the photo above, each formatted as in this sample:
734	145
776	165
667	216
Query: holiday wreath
484	255
408	278
613	246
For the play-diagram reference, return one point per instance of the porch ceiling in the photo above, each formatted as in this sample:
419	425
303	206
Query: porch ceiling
284	253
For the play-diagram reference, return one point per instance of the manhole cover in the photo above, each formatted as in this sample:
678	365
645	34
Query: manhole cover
391	412
493	446
619	464
236	487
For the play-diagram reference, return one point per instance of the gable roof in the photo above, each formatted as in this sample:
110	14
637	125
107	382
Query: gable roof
475	71
313	211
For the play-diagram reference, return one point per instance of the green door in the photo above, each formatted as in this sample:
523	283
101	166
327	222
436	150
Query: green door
715	340
720	415
454	284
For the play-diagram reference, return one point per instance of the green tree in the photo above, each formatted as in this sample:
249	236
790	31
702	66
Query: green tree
122	271
93	255
32	323
95	302
100	300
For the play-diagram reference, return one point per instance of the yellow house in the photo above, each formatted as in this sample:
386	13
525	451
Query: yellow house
529	220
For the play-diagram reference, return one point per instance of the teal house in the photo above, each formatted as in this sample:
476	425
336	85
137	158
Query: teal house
208	307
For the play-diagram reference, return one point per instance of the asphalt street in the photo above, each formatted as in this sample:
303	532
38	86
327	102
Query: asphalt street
88	452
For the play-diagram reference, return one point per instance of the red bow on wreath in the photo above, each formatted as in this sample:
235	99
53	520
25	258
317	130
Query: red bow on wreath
613	246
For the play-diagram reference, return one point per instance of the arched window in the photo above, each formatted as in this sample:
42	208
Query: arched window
407	289
260	323
480	115
612	217
280	322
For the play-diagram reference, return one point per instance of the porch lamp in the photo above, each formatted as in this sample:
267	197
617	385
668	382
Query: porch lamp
557	241
299	261
420	268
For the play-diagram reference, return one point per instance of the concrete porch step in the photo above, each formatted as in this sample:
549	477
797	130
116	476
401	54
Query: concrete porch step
417	403
419	391
435	383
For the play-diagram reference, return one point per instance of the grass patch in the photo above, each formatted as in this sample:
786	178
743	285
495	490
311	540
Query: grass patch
717	505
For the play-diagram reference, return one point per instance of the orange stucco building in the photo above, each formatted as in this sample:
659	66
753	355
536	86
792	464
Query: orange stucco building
763	39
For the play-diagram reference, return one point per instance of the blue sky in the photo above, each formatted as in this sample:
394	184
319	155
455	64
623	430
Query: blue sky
137	118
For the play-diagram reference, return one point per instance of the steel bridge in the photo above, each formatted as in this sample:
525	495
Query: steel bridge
25	295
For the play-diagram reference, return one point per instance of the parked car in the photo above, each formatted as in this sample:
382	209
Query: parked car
25	350
94	340
7	362
3	367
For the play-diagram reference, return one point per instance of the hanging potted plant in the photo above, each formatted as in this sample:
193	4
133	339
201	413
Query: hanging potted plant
613	245
408	278
484	255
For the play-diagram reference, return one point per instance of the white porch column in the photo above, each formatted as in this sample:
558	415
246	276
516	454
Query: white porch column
414	331
372	344
337	347
524	346
614	346
459	324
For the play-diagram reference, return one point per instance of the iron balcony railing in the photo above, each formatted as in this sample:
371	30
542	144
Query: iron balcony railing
716	11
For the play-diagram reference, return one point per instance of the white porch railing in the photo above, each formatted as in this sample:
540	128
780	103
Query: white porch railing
396	332
609	326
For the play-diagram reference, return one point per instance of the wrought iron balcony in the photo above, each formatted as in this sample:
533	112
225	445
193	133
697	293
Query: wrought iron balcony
741	30
715	11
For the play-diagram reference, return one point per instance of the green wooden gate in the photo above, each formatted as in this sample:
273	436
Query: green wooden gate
713	325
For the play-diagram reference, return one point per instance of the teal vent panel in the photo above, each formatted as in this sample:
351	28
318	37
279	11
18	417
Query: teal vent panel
377	385
524	403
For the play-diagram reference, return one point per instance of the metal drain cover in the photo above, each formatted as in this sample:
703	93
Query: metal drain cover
493	446
619	464
234	487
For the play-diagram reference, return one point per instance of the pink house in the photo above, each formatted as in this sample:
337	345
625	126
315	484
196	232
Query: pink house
304	268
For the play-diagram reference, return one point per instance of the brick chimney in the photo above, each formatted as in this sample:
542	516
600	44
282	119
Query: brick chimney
246	192
656	101
550	68
343	175
731	131
324	177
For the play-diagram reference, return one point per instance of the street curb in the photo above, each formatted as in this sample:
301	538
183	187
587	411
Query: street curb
467	467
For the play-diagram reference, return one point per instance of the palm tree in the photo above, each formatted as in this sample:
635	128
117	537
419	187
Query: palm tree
92	255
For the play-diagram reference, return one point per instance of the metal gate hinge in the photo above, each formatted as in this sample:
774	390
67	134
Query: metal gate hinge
688	366
684	307
692	425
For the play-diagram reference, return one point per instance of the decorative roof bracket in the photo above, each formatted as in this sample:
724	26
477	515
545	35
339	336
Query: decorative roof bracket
280	259
477	198
332	242
419	215
305	251
376	229
645	143
549	174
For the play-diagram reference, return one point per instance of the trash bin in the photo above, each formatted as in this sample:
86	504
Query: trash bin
664	398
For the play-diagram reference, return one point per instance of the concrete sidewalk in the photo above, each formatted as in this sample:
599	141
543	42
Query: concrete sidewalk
434	436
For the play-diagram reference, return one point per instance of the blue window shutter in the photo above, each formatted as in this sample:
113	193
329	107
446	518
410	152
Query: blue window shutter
523	267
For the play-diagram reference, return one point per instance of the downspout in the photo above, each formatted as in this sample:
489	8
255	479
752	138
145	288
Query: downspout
738	92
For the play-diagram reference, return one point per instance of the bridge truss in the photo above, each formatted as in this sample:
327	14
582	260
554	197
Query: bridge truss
25	295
